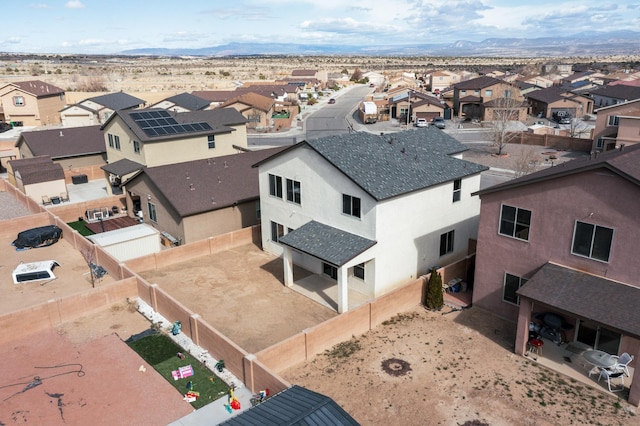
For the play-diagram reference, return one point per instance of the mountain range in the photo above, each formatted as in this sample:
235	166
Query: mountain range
582	44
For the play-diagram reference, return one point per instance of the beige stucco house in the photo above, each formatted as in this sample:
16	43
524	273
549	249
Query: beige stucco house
617	125
257	109
480	98
440	80
32	103
98	109
38	178
194	200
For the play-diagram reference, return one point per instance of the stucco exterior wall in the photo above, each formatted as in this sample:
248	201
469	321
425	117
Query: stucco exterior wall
171	151
217	222
597	197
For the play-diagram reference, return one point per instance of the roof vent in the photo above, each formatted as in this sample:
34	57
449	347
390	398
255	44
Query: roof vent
219	180
61	135
191	187
621	146
403	150
225	164
213	201
188	177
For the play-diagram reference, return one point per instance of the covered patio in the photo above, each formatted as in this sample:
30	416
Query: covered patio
333	255
597	313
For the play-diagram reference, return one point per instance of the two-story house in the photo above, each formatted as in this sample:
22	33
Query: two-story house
440	80
564	240
32	103
369	212
616	125
156	137
546	102
98	109
614	94
480	97
257	109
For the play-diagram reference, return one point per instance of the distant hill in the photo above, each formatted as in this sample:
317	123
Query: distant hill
582	44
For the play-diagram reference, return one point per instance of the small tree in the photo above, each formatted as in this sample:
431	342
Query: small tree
505	111
89	257
434	299
357	75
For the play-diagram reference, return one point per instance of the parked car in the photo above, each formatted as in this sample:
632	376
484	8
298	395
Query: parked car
332	101
438	122
421	122
562	117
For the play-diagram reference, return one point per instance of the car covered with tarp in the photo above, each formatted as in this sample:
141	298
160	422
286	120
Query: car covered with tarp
37	237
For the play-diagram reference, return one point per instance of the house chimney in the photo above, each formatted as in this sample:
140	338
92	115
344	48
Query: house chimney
225	164
187	173
219	180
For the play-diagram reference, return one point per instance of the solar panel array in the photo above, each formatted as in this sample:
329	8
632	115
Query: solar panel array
161	123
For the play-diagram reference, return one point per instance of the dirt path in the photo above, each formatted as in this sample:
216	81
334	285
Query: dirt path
425	368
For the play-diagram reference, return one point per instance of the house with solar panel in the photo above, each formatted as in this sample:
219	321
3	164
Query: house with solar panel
97	109
156	137
369	213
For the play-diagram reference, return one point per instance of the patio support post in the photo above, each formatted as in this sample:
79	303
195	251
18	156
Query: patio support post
343	290
522	329
287	258
634	389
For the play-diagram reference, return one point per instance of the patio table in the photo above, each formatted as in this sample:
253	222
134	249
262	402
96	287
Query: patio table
599	359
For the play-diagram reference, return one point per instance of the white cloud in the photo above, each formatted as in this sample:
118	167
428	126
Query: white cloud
40	6
92	42
74	4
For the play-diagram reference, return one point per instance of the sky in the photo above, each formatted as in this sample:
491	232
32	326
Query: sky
108	27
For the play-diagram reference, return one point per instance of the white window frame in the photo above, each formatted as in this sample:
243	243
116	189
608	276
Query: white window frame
153	214
18	101
447	242
613	120
457	190
275	186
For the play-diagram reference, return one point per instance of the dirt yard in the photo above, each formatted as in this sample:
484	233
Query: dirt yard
452	368
245	297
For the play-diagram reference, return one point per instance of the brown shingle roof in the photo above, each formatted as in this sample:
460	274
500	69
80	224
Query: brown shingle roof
303	73
38	88
64	142
263	103
548	95
618	91
37	173
204	185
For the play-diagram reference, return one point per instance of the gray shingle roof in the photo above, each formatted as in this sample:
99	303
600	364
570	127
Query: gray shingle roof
64	142
586	296
294	406
618	91
189	101
390	165
327	243
117	101
219	120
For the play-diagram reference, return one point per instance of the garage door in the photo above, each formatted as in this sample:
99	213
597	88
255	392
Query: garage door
427	115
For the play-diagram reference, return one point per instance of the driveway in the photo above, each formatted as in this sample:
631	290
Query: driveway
241	293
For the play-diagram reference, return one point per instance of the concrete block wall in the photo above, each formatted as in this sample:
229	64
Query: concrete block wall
220	347
260	377
284	354
399	300
11	227
93	172
70	212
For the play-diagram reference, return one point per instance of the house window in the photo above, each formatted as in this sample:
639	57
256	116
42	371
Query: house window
110	140
330	271
463	93
293	191
136	147
476	92
350	205
511	284
507	93
258	210
275	186
254	118
18	100
614	120
358	271
152	212
600	143
116	142
211	141
488	92
592	241
277	231
446	243
457	190
515	222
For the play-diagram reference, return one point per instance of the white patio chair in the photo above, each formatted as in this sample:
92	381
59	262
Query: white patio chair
612	374
622	363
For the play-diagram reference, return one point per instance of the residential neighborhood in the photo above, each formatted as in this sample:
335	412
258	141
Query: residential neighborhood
517	189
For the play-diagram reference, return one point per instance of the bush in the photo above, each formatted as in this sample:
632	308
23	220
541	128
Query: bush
433	294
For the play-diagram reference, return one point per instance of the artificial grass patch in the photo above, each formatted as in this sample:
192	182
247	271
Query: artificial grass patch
81	227
162	354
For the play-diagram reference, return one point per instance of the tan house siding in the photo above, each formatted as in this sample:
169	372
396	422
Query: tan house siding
49	109
217	222
173	150
608	132
41	111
